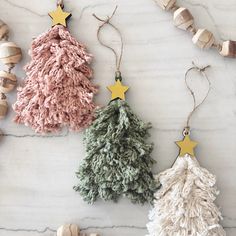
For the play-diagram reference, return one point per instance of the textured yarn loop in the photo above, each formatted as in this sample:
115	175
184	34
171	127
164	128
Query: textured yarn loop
117	161
184	205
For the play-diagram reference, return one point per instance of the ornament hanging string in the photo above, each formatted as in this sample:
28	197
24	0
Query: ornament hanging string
195	105
118	56
60	3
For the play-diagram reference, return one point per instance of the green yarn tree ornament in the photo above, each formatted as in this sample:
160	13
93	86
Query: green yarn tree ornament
117	161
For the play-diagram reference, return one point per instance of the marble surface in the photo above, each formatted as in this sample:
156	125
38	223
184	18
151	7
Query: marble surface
37	173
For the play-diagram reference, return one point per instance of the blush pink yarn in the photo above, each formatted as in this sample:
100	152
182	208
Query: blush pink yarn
57	91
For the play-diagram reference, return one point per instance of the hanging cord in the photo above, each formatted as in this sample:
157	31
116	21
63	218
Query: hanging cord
60	3
116	54
202	70
195	105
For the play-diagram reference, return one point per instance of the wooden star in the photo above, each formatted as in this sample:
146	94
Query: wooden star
186	146
118	90
59	16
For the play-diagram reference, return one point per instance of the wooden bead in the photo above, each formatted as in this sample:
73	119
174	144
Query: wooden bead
4	30
7	82
166	4
203	38
228	49
183	19
10	53
93	234
68	230
3	106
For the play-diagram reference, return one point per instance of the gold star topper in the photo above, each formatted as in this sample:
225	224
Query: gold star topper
59	16
186	146
118	90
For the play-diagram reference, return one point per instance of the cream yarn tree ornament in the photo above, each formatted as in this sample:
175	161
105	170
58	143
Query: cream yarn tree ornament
202	38
184	204
10	55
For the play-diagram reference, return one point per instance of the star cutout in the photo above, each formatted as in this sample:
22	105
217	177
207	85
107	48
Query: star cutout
186	146
59	16
118	90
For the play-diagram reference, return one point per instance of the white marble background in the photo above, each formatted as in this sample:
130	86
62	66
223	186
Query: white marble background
37	174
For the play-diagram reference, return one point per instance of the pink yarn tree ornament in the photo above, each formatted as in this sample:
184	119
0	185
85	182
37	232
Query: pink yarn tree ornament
57	91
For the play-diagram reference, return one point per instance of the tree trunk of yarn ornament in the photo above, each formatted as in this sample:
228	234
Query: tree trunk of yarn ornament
184	205
117	161
57	90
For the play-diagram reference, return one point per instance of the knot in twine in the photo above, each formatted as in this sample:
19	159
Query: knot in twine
199	69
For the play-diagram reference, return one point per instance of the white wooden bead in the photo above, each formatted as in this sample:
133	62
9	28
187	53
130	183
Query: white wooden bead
7	82
203	39
228	49
183	19
4	30
166	4
10	53
3	107
68	230
93	234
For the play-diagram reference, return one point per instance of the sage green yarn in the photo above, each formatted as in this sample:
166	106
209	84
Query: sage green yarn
117	161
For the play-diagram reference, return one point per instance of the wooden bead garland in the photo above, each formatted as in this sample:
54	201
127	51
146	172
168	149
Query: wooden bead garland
72	230
166	4
183	19
10	54
68	230
7	82
228	49
202	38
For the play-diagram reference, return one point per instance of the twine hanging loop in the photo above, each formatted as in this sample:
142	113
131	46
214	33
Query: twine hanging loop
118	55
201	70
60	3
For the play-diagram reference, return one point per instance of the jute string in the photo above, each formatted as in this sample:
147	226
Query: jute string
195	104
60	3
118	55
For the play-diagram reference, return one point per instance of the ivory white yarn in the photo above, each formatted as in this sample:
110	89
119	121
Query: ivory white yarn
184	204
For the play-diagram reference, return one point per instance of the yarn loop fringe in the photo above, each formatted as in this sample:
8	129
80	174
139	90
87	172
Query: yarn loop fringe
118	161
57	90
184	204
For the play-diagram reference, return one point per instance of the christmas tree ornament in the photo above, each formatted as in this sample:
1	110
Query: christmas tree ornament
58	90
202	38
117	161
10	55
184	204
